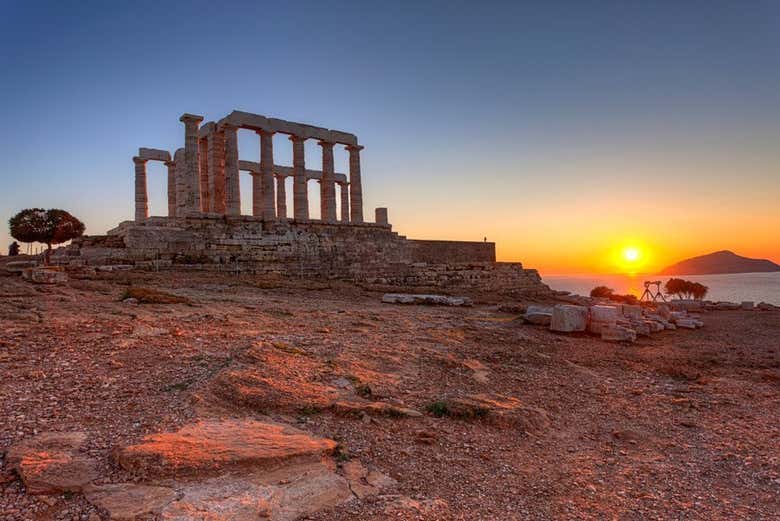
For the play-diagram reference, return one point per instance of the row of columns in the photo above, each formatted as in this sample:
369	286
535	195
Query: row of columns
263	203
204	178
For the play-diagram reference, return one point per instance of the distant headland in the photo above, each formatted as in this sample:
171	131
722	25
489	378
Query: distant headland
720	262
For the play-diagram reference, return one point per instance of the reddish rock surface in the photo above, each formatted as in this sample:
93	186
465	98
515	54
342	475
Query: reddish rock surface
51	463
213	446
129	501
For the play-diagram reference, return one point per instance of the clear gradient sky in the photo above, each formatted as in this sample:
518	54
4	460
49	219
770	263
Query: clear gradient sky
560	130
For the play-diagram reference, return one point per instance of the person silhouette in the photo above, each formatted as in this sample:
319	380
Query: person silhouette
13	249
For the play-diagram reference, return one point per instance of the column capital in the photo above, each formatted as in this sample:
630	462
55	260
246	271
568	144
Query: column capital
139	160
296	138
264	132
326	144
354	148
190	118
170	163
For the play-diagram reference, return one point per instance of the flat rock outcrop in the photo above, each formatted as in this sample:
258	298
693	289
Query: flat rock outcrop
129	501
51	463
504	411
212	446
283	495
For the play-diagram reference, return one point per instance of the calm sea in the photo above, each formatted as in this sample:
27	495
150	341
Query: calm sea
758	287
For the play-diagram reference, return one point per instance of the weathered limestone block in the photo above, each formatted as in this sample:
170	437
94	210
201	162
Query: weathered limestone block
154	154
45	275
616	333
539	315
601	316
568	318
632	311
747	305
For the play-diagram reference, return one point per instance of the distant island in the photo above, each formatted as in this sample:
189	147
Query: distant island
720	262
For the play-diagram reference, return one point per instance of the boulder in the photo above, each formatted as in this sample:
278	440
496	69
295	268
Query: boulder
663	311
51	463
539	315
567	318
129	501
431	300
616	333
210	446
766	306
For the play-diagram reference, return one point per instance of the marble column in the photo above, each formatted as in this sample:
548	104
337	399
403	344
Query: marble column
171	188
216	151
267	174
191	164
141	197
181	182
257	194
203	167
327	184
355	186
232	186
344	202
300	187
281	198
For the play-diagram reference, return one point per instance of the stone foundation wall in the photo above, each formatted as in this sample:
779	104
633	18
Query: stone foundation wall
437	252
367	253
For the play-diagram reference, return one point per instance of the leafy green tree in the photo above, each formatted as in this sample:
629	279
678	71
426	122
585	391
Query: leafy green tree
45	226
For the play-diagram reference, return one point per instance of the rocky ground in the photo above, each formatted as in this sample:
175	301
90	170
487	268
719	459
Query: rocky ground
440	412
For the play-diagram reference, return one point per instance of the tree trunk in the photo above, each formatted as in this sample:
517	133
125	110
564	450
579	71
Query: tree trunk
47	255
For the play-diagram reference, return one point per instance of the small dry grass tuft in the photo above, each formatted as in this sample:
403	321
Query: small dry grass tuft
152	296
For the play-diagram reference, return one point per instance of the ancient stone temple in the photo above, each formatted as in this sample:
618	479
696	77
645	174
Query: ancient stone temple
205	229
203	176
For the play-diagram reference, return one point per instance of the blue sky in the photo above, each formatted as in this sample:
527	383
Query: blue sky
478	118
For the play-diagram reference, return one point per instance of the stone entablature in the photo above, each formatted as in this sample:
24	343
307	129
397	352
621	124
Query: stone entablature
204	174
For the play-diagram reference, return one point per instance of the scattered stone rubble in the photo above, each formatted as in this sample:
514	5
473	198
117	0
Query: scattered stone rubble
616	323
431	300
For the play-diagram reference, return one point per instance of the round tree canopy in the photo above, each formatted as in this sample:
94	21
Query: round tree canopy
46	226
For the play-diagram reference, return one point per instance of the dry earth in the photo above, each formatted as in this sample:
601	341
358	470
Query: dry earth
532	425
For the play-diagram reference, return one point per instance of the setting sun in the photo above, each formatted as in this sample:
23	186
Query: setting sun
631	254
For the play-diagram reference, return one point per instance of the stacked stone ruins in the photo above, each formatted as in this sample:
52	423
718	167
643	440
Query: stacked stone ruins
205	227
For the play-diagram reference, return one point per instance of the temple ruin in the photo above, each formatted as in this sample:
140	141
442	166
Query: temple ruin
203	176
205	228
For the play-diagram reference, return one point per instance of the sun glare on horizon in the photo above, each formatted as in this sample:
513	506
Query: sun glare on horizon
631	254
